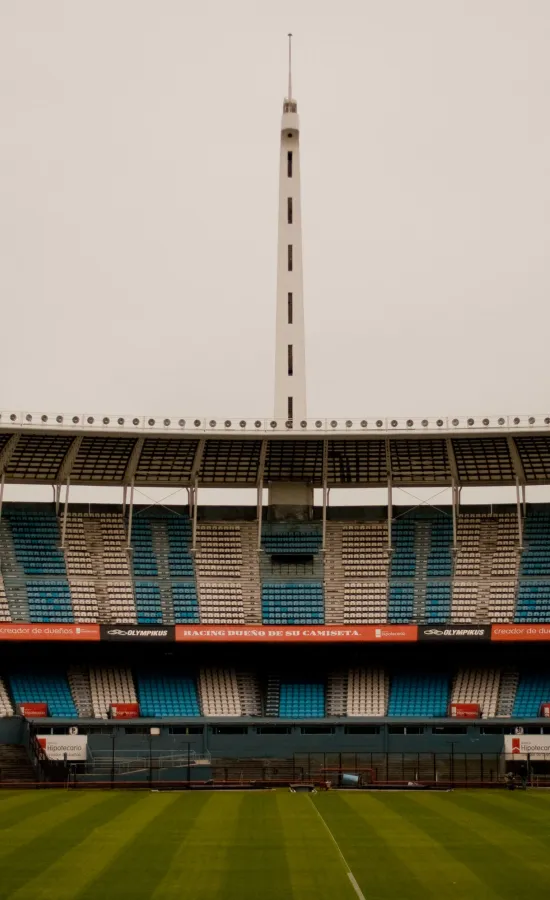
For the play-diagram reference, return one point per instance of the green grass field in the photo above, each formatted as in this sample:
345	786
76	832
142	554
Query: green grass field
274	845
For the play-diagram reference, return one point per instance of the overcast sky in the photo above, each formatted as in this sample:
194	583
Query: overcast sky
139	148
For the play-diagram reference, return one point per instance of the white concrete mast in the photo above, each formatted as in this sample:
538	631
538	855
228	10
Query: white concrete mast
290	375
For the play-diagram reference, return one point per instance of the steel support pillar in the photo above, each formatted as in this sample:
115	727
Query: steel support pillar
2	483
520	516
130	516
390	515
456	510
325	494
65	514
194	523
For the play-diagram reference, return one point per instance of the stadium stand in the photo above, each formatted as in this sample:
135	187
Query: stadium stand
219	692
367	693
227	573
6	708
249	694
301	699
51	688
417	694
298	603
532	690
164	694
5	615
477	686
79	682
110	685
486	568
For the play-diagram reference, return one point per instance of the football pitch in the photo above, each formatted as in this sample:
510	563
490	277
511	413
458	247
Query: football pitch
58	845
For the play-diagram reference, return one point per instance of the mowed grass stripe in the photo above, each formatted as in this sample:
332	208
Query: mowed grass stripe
518	808
72	871
140	866
314	865
29	803
39	827
504	873
257	864
197	869
423	854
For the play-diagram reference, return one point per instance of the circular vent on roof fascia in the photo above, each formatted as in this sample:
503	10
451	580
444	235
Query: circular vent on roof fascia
151	422
135	421
501	421
181	423
13	418
76	420
273	423
288	423
379	423
28	417
516	420
197	423
333	423
410	423
456	423
318	423
227	423
303	424
349	423
547	420
439	423
120	420
486	421
257	423
242	423
167	422
393	423
59	419
106	421
212	423
424	423
531	420
470	421
90	420
364	423
43	418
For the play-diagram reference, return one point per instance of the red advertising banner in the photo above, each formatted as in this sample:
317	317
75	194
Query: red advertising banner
465	710
45	631
124	710
545	710
33	710
513	632
288	634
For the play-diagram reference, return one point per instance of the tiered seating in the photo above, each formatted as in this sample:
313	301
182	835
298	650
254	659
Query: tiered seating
533	601
6	709
367	692
440	560
419	695
282	541
221	601
219	692
108	686
337	687
533	689
477	686
249	693
49	601
219	551
5	615
365	602
504	563
438	601
486	568
301	699
535	561
180	561
186	605
51	688
114	554
167	695
79	682
465	601
84	599
143	556
401	603
364	550
77	555
502	601
148	603
36	541
299	603
403	562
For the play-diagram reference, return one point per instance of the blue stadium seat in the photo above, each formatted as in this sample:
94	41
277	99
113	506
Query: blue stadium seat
535	560
167	695
403	562
291	541
533	601
180	561
438	601
298	603
143	556
49	601
419	695
148	605
36	541
533	689
440	558
186	604
52	688
301	700
401	603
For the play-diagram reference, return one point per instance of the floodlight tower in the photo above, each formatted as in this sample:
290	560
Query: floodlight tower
290	375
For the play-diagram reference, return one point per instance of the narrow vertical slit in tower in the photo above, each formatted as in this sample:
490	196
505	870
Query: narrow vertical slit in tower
290	307
290	361
289	164
290	257
289	210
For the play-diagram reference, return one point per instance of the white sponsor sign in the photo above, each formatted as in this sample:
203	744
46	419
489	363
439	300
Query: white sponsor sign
534	746
56	746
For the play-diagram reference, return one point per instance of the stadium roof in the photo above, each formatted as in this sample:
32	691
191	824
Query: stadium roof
116	450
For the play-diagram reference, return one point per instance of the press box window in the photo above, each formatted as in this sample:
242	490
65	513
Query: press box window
289	210
290	310
229	729
290	257
362	729
289	164
290	360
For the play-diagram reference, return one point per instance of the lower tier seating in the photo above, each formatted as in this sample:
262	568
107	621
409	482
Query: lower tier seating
301	699
367	692
6	709
167	695
219	690
185	602
108	686
477	686
51	688
419	695
533	689
300	603
49	601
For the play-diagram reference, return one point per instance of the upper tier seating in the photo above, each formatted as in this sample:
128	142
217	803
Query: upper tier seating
180	561
401	603
49	601
533	601
6	709
110	685
185	602
403	562
301	699
365	602
5	615
51	688
221	601
148	603
440	558
419	695
167	695
290	541
219	551
299	603
536	537
367	692
143	556
438	601
219	692
533	689
36	541
477	686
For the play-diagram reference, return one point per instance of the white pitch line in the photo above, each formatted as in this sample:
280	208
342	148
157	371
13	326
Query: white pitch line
349	873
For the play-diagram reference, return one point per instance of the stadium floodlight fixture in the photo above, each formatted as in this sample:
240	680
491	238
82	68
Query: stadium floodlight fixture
120	421
151	422
410	423
379	423
364	423
212	423
59	419
470	421
227	423
181	423
273	423
349	423
28	417
44	418
501	421
424	423
439	423
167	422
486	421
303	424
394	423
318	423
135	421
197	423
516	420
531	420
257	423
76	420
242	423
106	420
